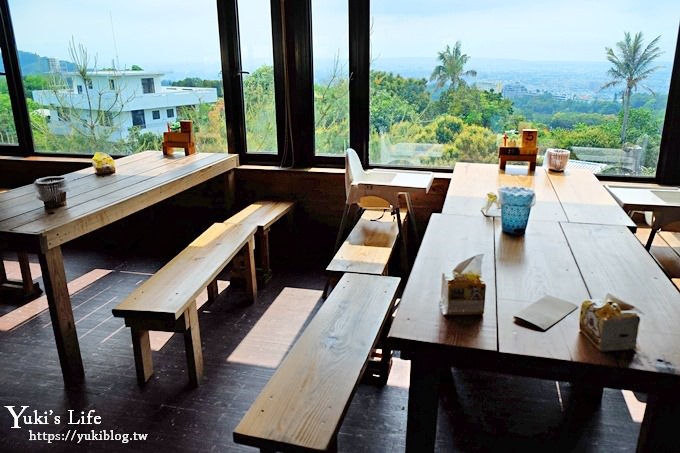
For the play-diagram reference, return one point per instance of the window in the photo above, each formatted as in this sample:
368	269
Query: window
114	76
170	113
440	95
107	121
147	86
8	132
156	114
399	109
331	83
258	76
80	89
138	118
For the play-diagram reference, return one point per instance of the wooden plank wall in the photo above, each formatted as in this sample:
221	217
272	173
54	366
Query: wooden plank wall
320	193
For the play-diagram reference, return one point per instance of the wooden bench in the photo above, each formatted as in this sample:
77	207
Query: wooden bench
166	301
263	214
305	401
24	290
369	246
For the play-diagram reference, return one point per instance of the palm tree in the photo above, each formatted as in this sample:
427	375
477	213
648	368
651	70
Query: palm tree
452	67
631	66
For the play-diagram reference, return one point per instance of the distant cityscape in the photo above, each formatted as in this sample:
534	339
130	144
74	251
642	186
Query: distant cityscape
564	80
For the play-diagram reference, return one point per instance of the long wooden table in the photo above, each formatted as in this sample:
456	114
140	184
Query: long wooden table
570	259
574	195
92	202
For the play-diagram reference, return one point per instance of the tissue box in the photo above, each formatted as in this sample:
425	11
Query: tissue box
462	295
608	327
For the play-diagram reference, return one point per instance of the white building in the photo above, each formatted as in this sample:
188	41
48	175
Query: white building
115	101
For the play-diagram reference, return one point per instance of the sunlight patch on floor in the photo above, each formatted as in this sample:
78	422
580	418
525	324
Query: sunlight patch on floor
636	408
400	374
270	338
32	309
13	270
159	339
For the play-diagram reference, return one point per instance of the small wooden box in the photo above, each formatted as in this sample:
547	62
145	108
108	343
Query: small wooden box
462	296
179	137
607	327
529	141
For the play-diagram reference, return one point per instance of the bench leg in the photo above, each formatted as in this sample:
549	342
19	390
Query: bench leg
141	347
262	237
192	344
213	291
331	281
248	253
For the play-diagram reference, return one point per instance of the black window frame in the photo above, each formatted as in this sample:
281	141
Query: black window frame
170	113
155	114
15	87
293	80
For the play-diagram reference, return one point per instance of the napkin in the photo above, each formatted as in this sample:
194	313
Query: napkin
546	312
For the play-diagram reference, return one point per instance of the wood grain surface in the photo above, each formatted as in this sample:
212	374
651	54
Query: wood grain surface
304	402
178	283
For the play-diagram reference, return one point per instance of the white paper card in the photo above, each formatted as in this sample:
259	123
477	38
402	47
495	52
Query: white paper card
546	312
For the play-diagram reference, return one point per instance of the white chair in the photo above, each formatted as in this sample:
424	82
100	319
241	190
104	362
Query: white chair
380	189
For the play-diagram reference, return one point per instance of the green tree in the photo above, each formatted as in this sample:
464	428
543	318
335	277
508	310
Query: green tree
476	144
331	112
36	82
388	109
474	106
8	133
258	95
451	67
200	83
631	66
412	90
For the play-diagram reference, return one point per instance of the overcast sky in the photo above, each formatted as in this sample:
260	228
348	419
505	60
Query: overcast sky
156	34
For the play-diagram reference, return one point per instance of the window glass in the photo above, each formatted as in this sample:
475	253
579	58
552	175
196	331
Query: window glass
445	89
147	86
331	83
94	72
138	118
257	62
8	133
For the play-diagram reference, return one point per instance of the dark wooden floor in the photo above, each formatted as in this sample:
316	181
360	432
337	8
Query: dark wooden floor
242	345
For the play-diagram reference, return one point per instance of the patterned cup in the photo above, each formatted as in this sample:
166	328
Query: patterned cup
557	158
516	203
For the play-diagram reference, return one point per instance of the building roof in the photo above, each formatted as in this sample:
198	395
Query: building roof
123	73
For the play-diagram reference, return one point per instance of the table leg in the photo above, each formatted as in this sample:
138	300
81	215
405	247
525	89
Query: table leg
412	219
658	432
650	240
54	277
423	401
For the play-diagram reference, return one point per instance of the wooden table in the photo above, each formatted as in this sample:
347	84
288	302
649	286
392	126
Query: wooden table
558	256
574	195
140	181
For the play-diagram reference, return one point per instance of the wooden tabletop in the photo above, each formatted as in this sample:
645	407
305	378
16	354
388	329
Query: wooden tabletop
93	201
571	261
574	195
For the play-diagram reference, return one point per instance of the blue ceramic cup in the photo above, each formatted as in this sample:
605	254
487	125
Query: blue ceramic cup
516	203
